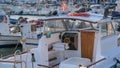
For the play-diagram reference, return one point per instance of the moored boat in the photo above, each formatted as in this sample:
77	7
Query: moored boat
72	42
31	32
9	33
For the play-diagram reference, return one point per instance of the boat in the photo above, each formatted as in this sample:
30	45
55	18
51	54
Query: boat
96	8
72	42
31	32
9	33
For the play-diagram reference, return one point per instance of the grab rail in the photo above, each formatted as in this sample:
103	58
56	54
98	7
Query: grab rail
96	62
48	66
12	61
15	57
13	54
20	53
44	66
15	61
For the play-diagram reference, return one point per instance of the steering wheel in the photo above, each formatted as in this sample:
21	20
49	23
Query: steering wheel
67	40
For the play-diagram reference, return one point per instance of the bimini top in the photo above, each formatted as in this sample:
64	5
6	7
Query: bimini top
93	18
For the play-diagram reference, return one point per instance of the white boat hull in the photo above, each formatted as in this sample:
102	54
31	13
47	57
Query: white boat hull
9	40
29	44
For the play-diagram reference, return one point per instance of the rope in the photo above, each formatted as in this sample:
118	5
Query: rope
16	45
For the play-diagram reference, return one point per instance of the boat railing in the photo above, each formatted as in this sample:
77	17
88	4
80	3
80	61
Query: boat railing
47	66
18	52
11	55
13	61
94	63
44	66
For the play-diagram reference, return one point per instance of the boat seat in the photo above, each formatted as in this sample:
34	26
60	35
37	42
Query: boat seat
60	46
74	62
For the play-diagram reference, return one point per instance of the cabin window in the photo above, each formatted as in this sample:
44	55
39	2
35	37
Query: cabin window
54	26
33	28
76	24
107	29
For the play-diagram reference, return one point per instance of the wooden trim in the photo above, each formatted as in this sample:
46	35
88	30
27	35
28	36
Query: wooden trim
44	66
87	44
48	66
55	65
50	48
9	61
51	59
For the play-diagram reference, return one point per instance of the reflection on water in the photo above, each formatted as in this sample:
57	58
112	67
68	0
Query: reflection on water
8	50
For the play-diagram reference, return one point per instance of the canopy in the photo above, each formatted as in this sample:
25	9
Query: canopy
93	18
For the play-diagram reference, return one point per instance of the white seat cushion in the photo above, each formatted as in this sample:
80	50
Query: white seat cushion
59	46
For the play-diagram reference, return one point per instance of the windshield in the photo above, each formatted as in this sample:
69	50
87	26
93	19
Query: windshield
76	24
54	26
67	24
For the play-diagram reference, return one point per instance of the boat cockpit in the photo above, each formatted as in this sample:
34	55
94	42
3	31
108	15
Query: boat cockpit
78	37
76	42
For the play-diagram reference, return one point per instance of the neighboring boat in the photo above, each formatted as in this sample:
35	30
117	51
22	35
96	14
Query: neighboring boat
72	42
31	32
9	33
96	8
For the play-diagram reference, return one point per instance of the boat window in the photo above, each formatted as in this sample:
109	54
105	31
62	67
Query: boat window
54	26
33	28
76	24
13	21
107	29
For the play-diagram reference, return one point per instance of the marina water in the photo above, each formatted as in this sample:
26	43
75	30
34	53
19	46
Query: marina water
9	49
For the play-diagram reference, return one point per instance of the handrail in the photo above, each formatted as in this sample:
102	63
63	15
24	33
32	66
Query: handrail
20	57
51	59
20	53
15	61
48	66
55	65
10	61
95	62
43	66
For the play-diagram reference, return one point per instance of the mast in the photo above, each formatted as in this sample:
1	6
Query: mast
38	3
